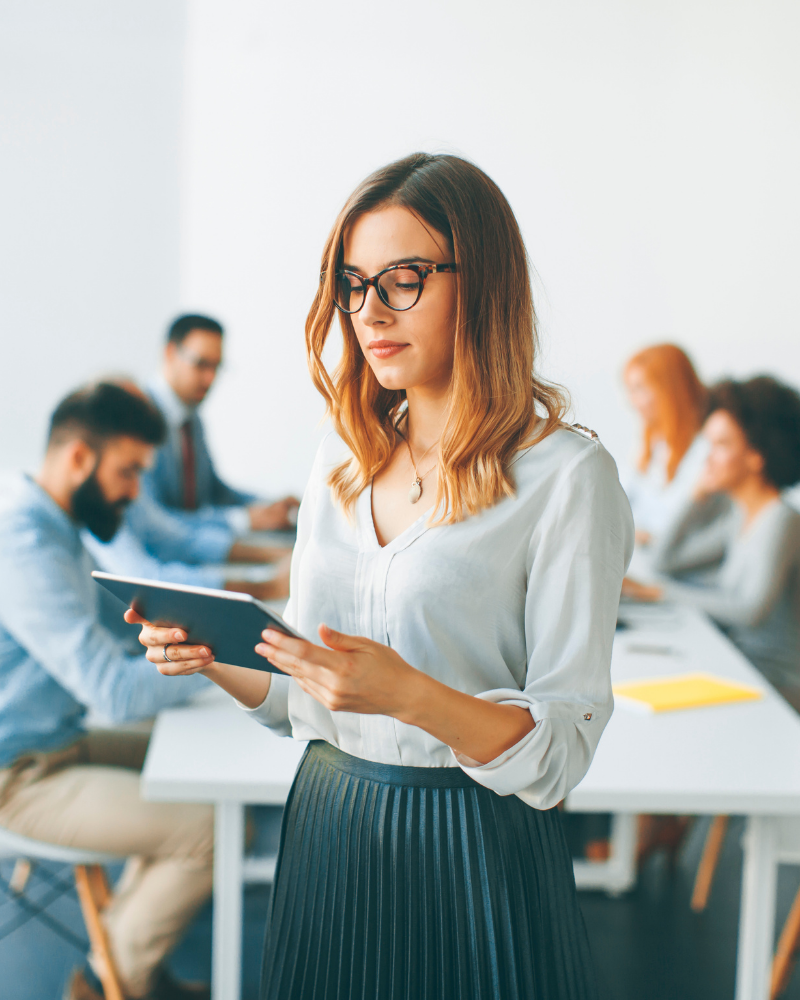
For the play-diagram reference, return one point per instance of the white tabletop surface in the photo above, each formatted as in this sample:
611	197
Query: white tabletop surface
212	751
735	758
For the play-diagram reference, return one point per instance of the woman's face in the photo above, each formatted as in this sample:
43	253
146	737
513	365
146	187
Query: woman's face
641	395
731	460
412	349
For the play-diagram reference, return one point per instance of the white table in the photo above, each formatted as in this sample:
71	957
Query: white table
211	752
731	759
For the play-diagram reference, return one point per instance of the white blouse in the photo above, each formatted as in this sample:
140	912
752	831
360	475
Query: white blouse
516	604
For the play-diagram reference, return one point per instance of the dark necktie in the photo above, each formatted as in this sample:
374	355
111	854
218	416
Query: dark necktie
189	472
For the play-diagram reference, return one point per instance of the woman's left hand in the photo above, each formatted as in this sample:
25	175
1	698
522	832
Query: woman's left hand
351	675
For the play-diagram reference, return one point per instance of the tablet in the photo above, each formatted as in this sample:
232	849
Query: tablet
228	623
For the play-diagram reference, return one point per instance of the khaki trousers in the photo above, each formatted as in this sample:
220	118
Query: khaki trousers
87	796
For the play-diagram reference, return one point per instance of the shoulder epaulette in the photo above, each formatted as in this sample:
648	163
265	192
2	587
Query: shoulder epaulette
587	432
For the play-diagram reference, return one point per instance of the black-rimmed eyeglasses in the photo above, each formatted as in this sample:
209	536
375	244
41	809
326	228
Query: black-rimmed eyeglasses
399	286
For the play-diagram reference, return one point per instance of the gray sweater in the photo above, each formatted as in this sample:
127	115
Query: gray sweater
754	594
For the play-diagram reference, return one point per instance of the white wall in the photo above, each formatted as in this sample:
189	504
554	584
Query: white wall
650	151
90	115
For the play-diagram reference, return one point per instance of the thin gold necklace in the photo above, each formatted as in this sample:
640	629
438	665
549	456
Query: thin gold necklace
416	487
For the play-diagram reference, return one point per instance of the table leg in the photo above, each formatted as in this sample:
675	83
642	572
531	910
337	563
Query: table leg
757	909
618	874
226	968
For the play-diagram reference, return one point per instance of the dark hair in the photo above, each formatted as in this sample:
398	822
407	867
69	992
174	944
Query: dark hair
768	411
102	411
183	325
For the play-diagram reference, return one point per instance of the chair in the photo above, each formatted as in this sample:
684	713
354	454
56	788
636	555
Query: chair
92	887
708	862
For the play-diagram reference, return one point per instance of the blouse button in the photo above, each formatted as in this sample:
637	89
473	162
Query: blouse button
588	716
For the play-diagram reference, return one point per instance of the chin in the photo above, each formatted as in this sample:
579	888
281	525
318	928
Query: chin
392	378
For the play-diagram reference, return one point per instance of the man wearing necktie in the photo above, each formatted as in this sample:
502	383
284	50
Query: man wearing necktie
183	475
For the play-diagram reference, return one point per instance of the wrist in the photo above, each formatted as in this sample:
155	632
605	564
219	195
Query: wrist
417	698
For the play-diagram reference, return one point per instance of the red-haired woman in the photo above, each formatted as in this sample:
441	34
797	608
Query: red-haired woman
664	389
465	550
754	454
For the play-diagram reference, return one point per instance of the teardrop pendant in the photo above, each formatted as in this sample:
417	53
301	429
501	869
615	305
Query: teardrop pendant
416	491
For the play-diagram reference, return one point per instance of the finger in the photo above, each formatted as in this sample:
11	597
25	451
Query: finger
182	669
339	640
280	658
317	691
153	635
299	648
180	654
134	618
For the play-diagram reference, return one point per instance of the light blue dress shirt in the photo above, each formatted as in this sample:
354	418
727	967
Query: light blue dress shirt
156	544
164	481
64	647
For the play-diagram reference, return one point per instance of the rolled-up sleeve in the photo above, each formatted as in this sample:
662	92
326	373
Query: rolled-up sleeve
577	557
273	712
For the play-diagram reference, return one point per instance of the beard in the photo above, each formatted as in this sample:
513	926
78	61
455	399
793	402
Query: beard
91	509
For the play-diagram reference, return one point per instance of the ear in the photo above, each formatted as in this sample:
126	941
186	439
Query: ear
80	458
755	462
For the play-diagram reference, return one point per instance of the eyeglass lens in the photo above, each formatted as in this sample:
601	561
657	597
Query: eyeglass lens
399	289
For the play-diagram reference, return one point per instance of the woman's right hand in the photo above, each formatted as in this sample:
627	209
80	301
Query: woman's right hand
182	660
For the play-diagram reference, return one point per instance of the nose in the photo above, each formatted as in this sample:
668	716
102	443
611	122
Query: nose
374	312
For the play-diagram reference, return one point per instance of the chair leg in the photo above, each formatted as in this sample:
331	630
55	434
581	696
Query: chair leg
93	894
20	875
708	863
785	953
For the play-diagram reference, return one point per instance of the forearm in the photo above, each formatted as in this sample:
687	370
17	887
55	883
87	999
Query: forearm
249	687
471	726
266	590
242	553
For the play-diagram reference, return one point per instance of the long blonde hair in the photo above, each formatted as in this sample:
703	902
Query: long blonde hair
494	391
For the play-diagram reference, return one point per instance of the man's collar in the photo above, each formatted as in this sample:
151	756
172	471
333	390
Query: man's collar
175	411
33	495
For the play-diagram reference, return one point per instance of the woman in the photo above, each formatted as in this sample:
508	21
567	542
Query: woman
753	434
465	550
664	389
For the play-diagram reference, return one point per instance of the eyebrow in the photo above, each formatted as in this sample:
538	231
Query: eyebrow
392	263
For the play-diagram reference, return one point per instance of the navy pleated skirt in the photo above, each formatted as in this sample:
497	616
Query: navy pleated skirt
415	883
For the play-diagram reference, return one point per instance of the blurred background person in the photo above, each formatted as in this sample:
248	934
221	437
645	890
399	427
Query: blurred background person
753	433
183	476
62	654
155	543
671	401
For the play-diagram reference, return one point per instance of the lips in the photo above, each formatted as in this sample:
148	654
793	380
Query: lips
385	348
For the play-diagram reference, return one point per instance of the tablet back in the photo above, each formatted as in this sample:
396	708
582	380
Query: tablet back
228	623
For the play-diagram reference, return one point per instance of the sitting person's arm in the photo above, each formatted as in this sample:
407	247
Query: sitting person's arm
766	559
696	538
50	606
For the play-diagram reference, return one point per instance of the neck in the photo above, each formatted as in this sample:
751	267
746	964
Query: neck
753	494
427	416
52	482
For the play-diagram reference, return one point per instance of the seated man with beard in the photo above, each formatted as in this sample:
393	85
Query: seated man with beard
64	651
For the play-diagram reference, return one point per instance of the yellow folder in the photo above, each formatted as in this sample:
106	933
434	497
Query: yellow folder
666	694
